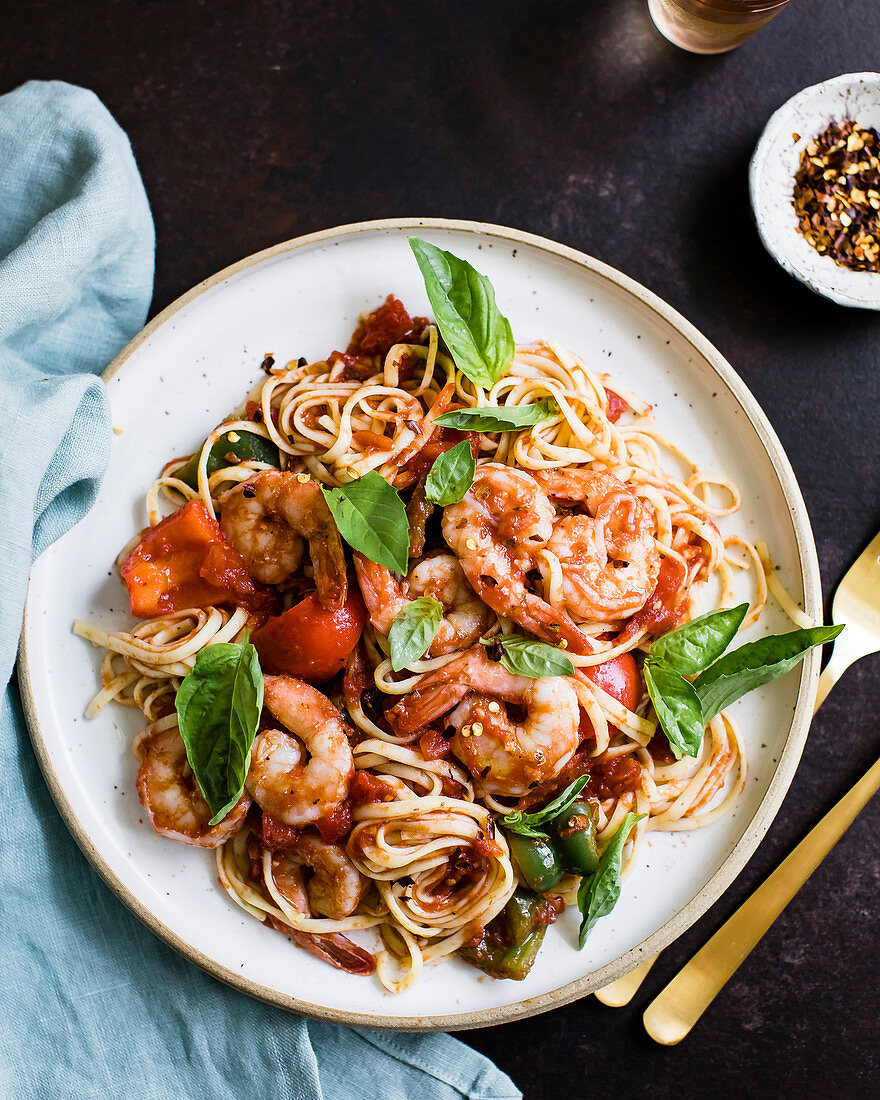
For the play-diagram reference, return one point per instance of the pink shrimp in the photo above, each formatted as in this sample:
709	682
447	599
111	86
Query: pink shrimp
268	519
608	556
507	756
169	793
495	530
440	576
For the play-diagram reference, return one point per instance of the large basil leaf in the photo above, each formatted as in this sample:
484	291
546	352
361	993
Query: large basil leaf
535	659
529	824
755	664
245	445
463	301
451	475
218	710
694	646
413	629
598	893
371	518
678	708
512	418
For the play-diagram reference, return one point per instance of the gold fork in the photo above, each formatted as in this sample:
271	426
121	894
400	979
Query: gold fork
673	1013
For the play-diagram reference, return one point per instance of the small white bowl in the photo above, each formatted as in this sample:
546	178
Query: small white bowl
771	183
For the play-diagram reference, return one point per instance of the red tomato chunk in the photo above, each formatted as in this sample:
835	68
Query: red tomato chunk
309	641
184	561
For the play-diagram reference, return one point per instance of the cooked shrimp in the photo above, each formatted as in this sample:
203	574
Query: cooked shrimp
332	947
337	886
169	793
608	557
465	616
268	517
291	790
506	756
495	530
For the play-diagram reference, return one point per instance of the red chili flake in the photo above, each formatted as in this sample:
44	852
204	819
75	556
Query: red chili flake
837	195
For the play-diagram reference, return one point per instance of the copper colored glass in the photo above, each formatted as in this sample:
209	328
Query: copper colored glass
712	26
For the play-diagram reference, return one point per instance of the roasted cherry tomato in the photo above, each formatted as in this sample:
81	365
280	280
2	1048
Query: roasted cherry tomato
184	561
620	678
309	641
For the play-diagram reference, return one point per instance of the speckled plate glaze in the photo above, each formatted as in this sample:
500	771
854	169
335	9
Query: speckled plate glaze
771	181
173	383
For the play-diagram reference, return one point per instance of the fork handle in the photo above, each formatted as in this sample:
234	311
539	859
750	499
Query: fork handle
673	1013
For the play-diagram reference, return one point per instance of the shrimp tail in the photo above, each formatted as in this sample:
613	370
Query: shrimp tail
331	947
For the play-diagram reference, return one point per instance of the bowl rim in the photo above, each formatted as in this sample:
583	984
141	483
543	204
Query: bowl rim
788	758
773	134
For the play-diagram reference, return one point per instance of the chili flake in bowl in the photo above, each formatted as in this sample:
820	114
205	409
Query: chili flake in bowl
814	181
837	195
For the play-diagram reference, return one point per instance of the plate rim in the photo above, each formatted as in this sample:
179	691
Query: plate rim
790	752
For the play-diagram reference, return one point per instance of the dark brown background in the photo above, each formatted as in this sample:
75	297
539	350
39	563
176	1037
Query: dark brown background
253	122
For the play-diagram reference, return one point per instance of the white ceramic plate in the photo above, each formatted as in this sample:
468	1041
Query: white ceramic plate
176	380
771	183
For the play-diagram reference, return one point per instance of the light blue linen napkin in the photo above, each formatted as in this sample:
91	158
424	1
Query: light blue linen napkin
93	1004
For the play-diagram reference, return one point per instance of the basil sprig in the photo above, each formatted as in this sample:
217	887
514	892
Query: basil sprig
500	418
523	657
678	708
755	664
477	334
694	646
451	475
218	711
371	518
598	893
413	629
529	824
683	707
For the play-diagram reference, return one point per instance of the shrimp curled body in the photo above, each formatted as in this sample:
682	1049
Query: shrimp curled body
507	756
295	792
495	530
268	519
440	576
168	792
608	556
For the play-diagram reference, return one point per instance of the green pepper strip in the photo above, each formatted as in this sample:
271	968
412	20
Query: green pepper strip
248	445
537	859
513	961
574	837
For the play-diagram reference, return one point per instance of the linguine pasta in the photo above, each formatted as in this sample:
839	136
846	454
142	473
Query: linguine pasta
422	830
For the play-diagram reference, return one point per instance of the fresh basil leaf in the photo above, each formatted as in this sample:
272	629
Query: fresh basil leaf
598	893
528	824
535	659
246	445
218	711
501	418
413	630
678	708
755	664
463	301
371	518
694	646
451	475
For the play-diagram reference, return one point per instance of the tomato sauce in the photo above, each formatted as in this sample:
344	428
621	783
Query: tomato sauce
616	406
274	834
665	607
386	326
366	788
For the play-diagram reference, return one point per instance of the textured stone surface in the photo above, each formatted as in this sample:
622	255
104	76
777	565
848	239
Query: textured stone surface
256	122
